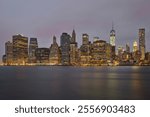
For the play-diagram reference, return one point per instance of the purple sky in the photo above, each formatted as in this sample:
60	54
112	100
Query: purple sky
45	18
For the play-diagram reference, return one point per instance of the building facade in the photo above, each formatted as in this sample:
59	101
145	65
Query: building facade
65	48
54	56
142	43
33	45
20	50
9	53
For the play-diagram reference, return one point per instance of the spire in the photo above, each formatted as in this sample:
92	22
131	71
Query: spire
73	39
112	25
54	39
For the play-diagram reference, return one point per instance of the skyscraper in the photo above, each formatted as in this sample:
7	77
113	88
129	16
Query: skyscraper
42	56
54	57
113	36
9	53
85	50
135	46
142	43
32	47
65	48
127	48
73	49
20	49
113	42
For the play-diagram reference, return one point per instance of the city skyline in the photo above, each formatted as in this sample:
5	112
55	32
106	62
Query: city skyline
43	20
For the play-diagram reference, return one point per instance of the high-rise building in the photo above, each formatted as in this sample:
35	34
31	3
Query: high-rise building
98	52
127	48
113	37
54	57
65	48
42	55
85	50
142	43
73	49
113	42
85	39
9	53
33	45
135	46
20	49
120	52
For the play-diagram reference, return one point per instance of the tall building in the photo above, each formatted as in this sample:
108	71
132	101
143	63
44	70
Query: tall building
85	50
65	48
142	43
113	42
135	46
9	53
85	39
98	52
127	48
20	49
42	55
113	36
73	50
54	56
33	45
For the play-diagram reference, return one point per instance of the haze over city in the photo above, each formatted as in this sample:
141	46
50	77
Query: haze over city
43	19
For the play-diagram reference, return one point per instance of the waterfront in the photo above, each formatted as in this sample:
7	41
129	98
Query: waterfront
64	82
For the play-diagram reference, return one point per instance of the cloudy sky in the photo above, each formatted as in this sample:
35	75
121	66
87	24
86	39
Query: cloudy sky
45	18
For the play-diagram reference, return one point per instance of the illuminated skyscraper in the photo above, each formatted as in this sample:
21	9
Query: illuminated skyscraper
113	37
32	47
113	42
20	49
65	49
73	49
54	57
135	46
85	39
142	43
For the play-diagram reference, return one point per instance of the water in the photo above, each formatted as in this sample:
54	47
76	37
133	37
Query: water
67	83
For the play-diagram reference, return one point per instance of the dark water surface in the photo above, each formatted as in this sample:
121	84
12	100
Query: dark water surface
60	82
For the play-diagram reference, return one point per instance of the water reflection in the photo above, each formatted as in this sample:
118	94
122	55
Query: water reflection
74	82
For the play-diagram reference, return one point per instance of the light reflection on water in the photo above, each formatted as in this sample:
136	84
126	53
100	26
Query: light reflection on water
45	82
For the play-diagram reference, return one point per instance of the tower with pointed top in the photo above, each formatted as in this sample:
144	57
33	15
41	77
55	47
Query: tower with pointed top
113	41
113	36
73	49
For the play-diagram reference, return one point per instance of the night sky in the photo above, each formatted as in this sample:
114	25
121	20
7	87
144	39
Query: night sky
45	18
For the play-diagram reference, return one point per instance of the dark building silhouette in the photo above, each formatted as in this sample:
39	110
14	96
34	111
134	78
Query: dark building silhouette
9	53
42	55
73	49
65	48
33	45
54	57
142	43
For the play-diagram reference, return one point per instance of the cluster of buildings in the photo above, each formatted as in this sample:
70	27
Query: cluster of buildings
97	53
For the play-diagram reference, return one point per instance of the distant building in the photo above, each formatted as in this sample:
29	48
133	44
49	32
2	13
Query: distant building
33	45
108	48
127	48
42	55
9	53
98	52
113	42
85	50
4	60
54	57
120	52
135	46
142	43
73	49
20	49
65	49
